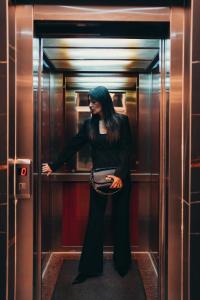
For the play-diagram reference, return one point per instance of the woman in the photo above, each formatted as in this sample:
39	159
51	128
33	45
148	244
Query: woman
109	136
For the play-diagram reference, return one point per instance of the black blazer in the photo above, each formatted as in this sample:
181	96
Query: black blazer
104	153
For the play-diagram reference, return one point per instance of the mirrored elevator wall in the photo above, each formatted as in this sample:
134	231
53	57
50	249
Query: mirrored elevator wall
52	141
48	124
148	153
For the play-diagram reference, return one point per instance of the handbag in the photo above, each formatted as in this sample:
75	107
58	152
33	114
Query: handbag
99	182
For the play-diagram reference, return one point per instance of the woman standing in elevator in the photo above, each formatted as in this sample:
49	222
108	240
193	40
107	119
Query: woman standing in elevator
108	134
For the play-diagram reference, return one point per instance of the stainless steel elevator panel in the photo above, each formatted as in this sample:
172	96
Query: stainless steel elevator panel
23	175
148	157
4	148
102	13
24	137
56	133
12	147
175	200
164	138
145	123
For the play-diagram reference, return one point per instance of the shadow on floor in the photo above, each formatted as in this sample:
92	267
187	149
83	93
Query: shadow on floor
109	286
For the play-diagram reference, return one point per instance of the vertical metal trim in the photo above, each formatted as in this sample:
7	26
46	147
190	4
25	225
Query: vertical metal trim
39	189
162	206
190	141
24	148
182	167
175	199
7	156
15	276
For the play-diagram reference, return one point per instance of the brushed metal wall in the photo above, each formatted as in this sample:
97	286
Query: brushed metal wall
155	165
24	148
45	156
52	132
164	162
12	146
101	13
48	124
149	153
145	123
37	94
175	200
56	114
4	172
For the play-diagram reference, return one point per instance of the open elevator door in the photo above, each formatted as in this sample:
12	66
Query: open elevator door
22	83
53	85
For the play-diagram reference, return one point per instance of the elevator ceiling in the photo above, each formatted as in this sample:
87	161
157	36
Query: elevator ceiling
101	55
106	51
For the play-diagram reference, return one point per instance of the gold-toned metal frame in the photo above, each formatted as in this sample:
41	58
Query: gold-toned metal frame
171	146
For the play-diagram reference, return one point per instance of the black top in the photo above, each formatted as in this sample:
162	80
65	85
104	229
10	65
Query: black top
104	153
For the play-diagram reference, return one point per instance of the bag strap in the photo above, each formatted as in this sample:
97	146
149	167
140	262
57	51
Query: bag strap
107	194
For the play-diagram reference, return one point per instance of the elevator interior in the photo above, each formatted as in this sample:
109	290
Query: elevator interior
133	63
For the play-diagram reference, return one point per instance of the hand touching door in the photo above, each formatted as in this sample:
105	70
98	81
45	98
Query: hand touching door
46	169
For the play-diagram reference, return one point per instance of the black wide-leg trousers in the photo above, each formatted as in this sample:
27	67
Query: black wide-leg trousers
91	261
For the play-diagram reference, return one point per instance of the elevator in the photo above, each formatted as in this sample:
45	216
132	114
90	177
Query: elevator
136	72
61	53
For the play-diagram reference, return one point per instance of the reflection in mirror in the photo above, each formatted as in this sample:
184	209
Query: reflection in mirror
77	111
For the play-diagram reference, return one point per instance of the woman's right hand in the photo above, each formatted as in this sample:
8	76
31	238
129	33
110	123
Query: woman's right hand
46	169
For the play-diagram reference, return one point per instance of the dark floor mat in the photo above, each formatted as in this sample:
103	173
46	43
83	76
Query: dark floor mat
109	286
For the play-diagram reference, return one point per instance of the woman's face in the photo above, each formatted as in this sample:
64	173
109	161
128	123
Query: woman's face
95	106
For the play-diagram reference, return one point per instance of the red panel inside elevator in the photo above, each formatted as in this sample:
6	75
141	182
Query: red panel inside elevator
75	215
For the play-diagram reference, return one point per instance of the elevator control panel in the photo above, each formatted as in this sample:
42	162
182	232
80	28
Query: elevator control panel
23	169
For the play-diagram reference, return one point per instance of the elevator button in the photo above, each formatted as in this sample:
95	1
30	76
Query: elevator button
23	174
22	186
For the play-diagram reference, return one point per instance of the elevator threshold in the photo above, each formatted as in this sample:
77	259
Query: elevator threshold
110	285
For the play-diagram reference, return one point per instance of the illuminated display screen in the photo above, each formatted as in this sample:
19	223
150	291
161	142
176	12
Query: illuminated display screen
22	171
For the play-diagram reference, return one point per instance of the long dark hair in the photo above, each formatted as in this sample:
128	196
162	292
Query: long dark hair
111	120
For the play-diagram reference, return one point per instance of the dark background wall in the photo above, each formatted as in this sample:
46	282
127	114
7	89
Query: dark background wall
195	154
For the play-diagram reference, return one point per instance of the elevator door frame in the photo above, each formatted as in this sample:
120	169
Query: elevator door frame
173	286
49	13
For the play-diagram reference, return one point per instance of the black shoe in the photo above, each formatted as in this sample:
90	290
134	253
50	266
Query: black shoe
122	272
80	278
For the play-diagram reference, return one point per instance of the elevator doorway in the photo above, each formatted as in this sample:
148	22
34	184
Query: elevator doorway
136	72
173	267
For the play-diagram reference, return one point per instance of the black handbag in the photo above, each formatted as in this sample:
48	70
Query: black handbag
99	182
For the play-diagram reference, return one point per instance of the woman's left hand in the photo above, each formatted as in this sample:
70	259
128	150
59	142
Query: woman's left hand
117	182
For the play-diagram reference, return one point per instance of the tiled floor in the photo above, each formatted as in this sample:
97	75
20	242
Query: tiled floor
143	260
